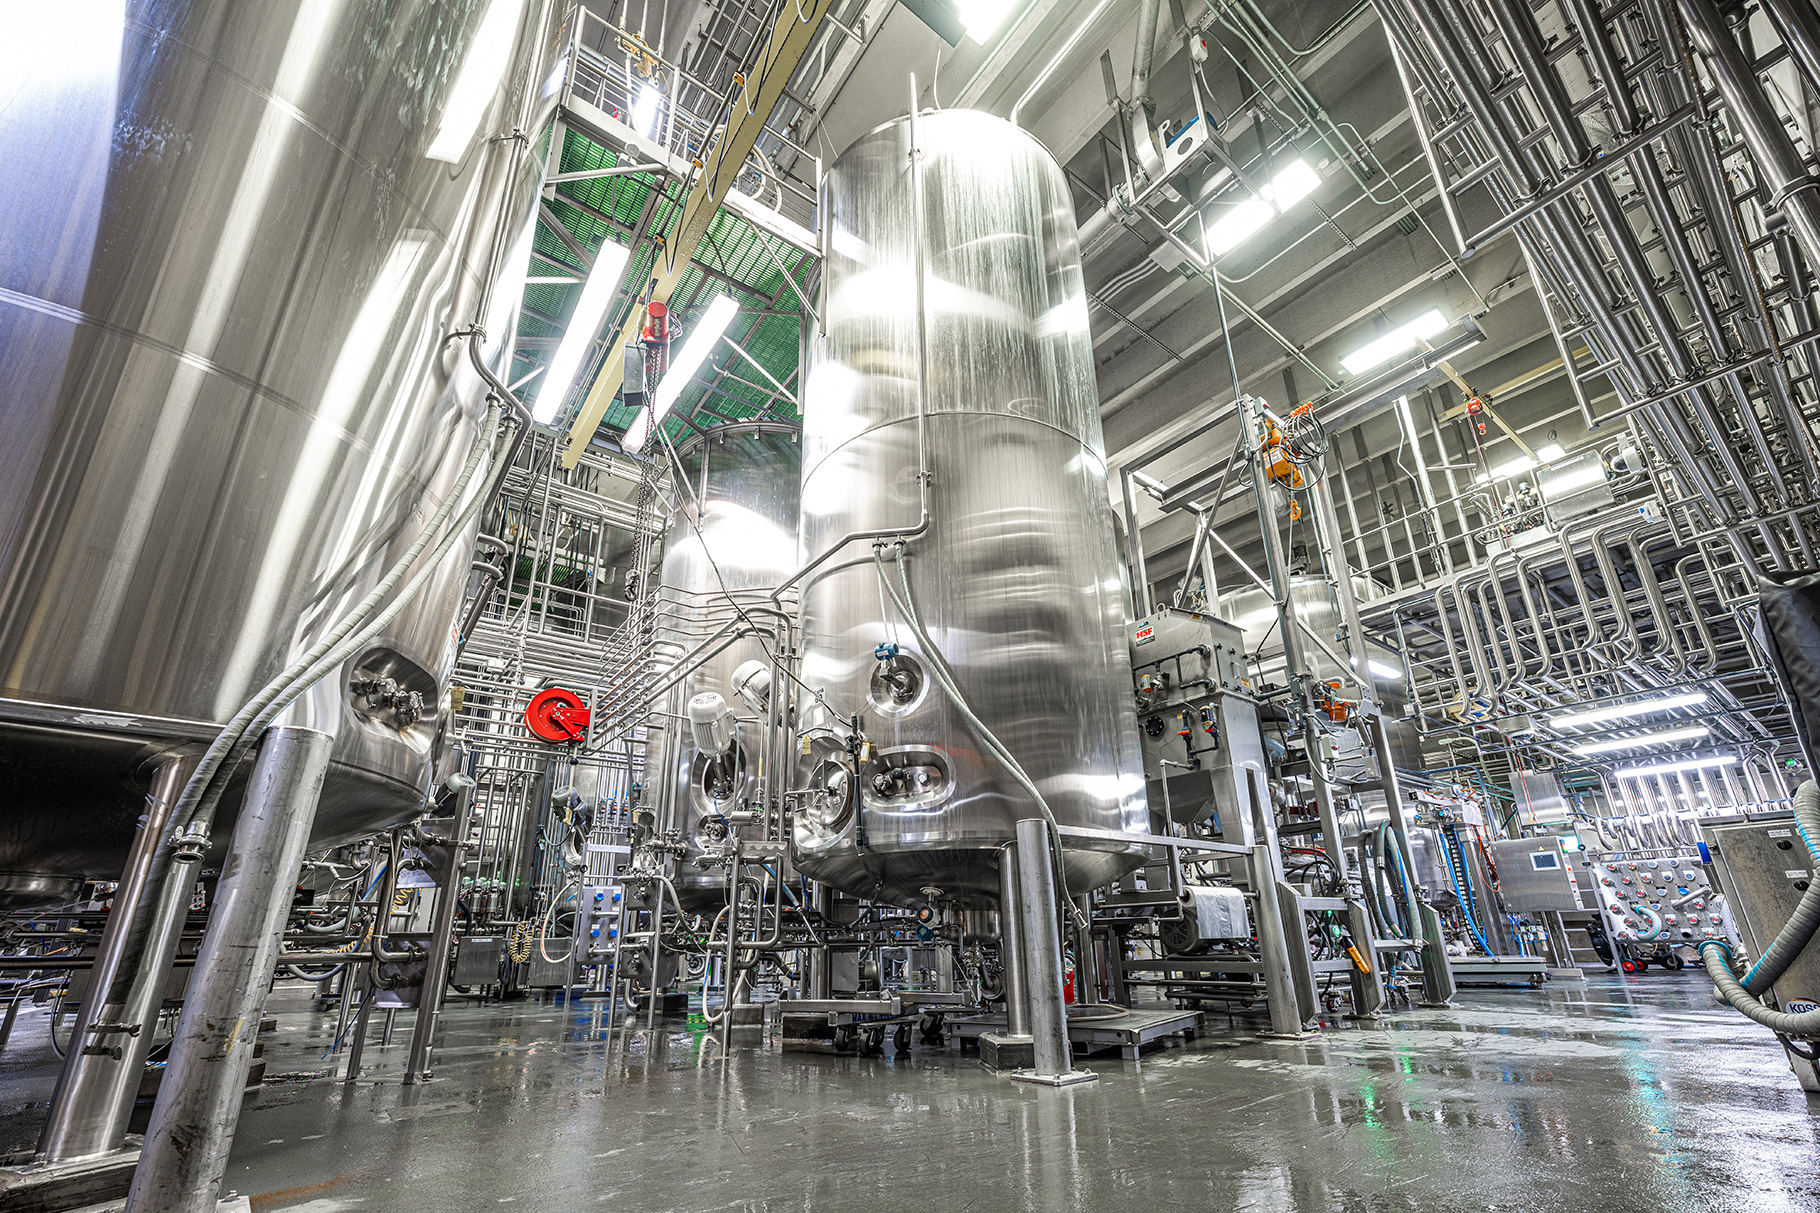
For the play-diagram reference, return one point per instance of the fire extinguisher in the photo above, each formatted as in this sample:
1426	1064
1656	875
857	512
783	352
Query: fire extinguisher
1067	980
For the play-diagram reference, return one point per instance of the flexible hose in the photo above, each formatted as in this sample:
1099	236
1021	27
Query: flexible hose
1465	900
1788	944
1402	895
204	790
939	666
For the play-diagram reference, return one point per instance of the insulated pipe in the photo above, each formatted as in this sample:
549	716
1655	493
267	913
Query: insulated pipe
99	1082
1142	57
192	1128
1799	28
1791	189
1520	36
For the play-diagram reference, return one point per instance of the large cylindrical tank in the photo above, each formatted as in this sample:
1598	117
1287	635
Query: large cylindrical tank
729	545
237	237
1017	580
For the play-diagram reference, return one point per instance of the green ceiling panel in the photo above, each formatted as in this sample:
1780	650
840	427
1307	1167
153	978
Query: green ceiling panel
733	248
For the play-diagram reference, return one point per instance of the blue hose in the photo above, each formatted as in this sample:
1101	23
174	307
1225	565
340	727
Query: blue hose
1465	909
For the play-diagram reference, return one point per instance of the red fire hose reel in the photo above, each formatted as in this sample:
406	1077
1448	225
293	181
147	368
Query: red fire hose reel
557	716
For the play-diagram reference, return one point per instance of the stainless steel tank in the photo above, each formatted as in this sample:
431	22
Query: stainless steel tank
744	502
1017	579
237	236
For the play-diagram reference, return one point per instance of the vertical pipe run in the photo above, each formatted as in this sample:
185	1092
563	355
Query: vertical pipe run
1011	946
192	1129
99	1082
1042	940
442	930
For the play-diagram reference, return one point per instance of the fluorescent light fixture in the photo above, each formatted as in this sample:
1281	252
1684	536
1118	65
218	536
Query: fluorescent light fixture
1294	182
1394	342
1676	768
477	81
1551	452
596	294
1384	669
1504	471
1691	733
1625	711
688	360
983	17
646	109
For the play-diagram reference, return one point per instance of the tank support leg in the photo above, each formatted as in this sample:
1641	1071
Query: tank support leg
1042	939
442	931
99	1082
186	1145
1011	947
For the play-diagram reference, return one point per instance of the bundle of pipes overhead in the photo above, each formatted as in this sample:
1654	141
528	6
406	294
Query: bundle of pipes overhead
943	548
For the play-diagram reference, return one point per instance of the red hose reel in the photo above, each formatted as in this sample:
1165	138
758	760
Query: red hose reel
557	716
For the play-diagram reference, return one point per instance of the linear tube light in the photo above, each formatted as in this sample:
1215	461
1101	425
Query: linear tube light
1394	342
1293	183
596	294
1692	732
981	18
646	109
1504	471
1676	768
477	81
688	360
1624	711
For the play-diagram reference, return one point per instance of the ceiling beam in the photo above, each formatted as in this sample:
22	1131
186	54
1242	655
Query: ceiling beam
750	106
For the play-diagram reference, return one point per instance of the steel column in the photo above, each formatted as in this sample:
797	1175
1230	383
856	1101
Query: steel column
1011	946
442	930
99	1082
1042	944
192	1129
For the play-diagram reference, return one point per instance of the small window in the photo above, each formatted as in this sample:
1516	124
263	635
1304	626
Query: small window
1544	861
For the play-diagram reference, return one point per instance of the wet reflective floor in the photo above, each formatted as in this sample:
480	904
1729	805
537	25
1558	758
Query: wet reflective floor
1616	1094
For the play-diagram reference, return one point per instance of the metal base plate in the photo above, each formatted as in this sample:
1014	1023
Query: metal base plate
231	1204
1071	1078
45	1188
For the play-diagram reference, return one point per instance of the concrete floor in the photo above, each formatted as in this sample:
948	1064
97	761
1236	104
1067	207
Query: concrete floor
1615	1094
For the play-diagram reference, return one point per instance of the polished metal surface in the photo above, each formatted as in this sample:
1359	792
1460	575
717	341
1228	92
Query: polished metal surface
732	539
192	1127
229	271
1017	578
97	1087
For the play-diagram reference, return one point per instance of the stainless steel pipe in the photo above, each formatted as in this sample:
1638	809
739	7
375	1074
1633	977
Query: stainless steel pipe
192	1128
1011	946
1042	946
99	1082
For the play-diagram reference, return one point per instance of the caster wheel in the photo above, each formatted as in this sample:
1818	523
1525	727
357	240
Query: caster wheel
1642	965
1673	963
843	1039
873	1043
900	1039
1630	966
931	1030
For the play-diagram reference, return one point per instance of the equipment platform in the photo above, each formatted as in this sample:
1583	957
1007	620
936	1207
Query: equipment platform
1129	1031
1499	970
